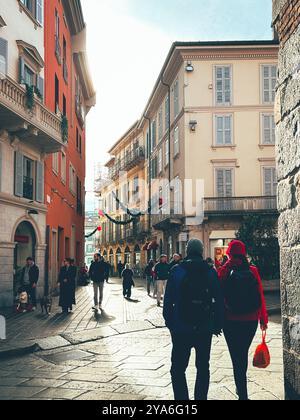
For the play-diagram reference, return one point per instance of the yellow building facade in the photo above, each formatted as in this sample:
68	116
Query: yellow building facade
208	135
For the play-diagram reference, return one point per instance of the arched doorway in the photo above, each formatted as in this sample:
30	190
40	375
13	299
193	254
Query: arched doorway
119	255
26	241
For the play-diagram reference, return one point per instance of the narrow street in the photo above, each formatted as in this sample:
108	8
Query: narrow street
123	354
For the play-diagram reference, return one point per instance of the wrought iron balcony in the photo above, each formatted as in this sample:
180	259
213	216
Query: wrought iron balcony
240	205
167	216
37	126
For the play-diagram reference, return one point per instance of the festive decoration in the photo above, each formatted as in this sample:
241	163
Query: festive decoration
93	233
131	213
101	214
99	228
119	222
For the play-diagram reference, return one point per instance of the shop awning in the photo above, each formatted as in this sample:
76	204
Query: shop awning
222	234
152	246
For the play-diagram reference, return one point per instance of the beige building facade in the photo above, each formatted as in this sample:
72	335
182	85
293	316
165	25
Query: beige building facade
28	132
209	134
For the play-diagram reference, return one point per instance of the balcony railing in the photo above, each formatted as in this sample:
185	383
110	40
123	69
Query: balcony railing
38	125
230	205
130	233
132	159
167	215
57	49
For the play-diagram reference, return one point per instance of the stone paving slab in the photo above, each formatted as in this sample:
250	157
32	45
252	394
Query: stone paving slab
133	326
90	335
55	342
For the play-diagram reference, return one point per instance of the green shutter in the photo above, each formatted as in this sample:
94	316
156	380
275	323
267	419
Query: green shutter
19	174
21	70
39	188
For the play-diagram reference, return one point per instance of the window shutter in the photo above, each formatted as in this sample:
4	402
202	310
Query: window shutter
39	182
21	70
40	85
1	151
19	174
3	55
40	11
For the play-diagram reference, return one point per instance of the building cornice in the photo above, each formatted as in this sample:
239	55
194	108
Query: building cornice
130	133
230	56
81	64
21	203
74	15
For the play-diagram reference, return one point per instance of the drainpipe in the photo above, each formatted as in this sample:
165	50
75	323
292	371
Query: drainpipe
149	173
169	123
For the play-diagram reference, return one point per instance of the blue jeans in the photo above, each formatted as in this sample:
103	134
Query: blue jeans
182	347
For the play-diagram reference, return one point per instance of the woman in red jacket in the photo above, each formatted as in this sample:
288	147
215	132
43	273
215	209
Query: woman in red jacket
240	329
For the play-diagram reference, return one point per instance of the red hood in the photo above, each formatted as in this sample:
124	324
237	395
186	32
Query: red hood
236	248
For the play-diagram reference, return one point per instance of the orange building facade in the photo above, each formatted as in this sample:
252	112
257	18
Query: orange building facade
69	93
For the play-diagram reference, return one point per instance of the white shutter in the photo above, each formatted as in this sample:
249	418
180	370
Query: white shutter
39	7
167	152
19	175
269	78
39	182
223	128
223	85
224	179
176	141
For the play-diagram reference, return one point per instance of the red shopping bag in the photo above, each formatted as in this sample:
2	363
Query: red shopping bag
262	358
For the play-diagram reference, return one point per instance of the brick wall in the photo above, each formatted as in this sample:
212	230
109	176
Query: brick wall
286	18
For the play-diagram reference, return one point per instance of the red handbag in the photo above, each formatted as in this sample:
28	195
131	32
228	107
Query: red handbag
262	358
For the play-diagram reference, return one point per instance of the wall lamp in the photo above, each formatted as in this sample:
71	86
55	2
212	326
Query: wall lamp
189	67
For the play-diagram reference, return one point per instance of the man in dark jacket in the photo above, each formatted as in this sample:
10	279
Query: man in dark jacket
175	261
29	279
161	271
185	335
97	274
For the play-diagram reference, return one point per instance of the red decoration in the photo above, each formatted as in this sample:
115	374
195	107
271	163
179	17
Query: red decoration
99	228
101	214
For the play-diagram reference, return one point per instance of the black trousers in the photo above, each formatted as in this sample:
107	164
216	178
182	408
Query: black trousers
127	291
182	346
239	336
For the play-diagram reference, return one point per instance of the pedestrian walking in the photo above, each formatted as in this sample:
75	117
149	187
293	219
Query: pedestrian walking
149	276
245	308
73	278
66	286
108	271
29	280
120	268
128	283
97	273
210	262
193	311
161	271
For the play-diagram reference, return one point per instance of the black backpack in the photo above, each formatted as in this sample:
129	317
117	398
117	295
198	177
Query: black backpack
241	292
196	301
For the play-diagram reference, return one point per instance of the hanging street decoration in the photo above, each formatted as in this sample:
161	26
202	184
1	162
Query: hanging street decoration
93	233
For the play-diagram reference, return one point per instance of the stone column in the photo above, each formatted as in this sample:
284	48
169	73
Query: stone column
6	273
286	18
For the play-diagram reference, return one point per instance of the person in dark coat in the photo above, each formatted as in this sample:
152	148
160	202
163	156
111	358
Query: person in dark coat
65	282
184	335
149	275
73	278
128	282
175	261
29	280
120	269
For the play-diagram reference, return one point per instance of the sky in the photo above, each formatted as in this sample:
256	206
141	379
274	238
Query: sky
128	41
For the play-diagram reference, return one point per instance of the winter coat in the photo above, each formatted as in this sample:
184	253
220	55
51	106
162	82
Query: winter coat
127	276
98	271
173	297
161	271
34	273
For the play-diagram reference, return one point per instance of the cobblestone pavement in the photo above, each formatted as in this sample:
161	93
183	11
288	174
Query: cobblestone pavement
125	356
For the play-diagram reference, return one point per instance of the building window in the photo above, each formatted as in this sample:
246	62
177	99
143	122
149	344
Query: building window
167	112
270	181
72	180
223	130
160	124
78	141
223	85
57	37
79	196
160	161
55	165
29	178
64	106
167	153
176	142
177	196
136	188
35	8
176	98
63	167
224	182
268	129
269	79
153	168
65	67
28	76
